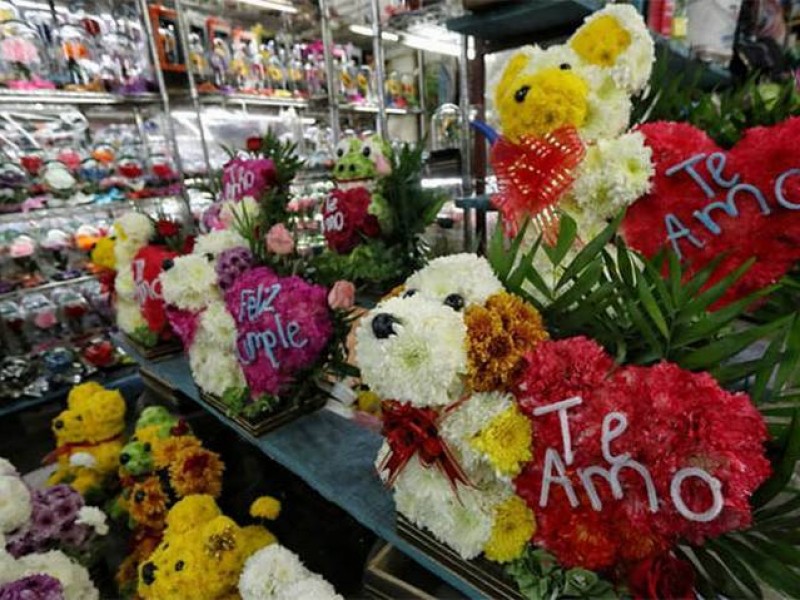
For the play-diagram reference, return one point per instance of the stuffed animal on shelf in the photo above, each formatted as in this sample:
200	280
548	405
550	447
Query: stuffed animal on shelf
563	115
88	439
203	551
356	209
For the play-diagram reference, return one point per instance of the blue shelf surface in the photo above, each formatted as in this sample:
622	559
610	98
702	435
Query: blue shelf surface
127	382
330	453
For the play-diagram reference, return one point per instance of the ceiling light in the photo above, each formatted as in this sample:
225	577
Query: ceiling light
431	45
31	5
271	5
386	36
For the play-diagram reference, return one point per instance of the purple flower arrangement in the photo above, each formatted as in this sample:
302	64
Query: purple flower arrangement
33	587
53	524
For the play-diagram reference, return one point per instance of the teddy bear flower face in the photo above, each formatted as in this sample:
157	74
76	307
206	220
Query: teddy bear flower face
137	458
90	419
585	84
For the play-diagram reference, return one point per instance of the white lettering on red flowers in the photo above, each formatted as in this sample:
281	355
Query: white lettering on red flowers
144	290
334	218
614	425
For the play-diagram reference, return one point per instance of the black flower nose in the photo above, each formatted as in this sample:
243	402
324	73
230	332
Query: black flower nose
124	458
167	264
455	301
521	93
149	573
59	424
340	168
383	325
352	168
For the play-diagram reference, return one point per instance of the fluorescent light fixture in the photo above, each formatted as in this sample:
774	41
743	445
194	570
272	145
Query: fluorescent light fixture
271	5
431	44
386	36
30	4
429	183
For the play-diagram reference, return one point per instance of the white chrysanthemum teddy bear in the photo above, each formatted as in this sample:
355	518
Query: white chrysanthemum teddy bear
443	354
132	232
586	83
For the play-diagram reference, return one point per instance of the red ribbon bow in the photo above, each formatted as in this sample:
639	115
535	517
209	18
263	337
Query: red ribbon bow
409	431
533	174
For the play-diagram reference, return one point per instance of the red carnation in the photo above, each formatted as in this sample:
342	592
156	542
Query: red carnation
166	228
254	144
346	218
147	266
676	419
663	576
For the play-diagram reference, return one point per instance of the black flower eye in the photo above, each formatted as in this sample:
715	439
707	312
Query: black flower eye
147	447
409	293
167	264
79	418
139	496
366	151
383	325
340	152
179	565
209	256
565	66
455	301
521	93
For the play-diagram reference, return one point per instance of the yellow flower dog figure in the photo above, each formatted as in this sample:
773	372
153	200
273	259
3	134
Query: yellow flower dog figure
203	552
88	438
583	86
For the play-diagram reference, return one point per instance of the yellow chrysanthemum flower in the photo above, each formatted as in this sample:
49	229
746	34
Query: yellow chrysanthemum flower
81	393
166	450
196	471
601	41
506	442
191	512
103	253
514	525
147	505
265	507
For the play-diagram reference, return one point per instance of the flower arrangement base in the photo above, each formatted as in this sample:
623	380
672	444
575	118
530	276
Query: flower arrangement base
160	350
265	424
485	576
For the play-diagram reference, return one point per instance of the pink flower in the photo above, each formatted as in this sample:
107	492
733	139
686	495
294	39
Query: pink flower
19	50
342	295
279	240
293	206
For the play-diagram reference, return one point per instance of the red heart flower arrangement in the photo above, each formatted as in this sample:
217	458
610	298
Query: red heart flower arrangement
346	218
283	324
743	203
689	455
147	265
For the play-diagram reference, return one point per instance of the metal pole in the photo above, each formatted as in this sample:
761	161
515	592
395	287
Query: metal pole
183	28
330	75
423	116
162	89
380	69
463	94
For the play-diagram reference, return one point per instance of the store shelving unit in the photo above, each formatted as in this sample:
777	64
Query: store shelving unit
333	455
59	97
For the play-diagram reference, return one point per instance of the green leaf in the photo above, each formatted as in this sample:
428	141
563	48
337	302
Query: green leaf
567	233
784	470
590	252
719	575
738	568
649	303
585	282
702	301
770	570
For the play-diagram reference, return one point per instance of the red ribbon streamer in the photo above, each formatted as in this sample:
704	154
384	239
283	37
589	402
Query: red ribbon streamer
533	175
409	431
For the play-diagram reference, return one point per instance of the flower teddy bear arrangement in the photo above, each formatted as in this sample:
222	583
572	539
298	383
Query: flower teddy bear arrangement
563	115
203	550
43	536
544	455
89	437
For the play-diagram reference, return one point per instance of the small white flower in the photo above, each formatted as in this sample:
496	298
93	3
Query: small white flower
6	468
129	316
231	211
269	570
191	283
15	503
217	242
94	518
311	588
467	275
82	459
73	577
135	228
212	356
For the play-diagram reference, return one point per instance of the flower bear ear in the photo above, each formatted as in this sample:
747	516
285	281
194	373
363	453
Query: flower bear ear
616	38
220	538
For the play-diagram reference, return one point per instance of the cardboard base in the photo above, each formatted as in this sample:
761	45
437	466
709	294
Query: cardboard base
270	422
162	350
485	576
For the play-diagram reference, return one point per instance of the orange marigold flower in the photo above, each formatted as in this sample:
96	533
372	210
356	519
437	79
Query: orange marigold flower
147	504
166	451
498	336
196	471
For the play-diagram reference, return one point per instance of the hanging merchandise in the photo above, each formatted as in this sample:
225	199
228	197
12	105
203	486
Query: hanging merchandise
165	25
22	57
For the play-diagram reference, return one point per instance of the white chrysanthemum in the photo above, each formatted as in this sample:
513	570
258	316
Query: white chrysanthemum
614	174
232	211
212	356
422	361
217	242
94	518
633	66
124	253
7	468
468	275
310	588
608	106
467	421
15	503
135	228
10	570
129	316
191	283
73	577
82	459
124	285
270	570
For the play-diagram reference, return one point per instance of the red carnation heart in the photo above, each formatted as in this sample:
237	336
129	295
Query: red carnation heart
147	266
768	231
166	228
534	174
346	218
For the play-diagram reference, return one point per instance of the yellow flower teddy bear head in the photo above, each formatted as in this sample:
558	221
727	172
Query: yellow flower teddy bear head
586	83
202	551
93	415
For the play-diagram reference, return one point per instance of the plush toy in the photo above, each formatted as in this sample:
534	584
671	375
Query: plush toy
203	551
355	209
88	438
563	114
